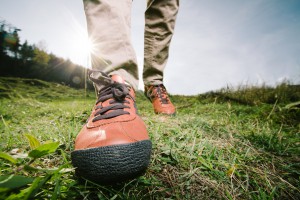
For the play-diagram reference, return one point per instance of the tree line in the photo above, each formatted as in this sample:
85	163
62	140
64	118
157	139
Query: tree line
32	61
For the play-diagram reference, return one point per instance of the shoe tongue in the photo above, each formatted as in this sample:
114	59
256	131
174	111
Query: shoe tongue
117	78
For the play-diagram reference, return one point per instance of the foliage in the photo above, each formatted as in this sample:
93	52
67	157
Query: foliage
284	92
20	164
33	61
9	40
40	57
26	52
215	148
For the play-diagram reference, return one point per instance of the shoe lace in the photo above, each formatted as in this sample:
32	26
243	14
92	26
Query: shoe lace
161	93
117	92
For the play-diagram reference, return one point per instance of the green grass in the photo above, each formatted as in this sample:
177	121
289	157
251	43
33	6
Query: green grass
242	147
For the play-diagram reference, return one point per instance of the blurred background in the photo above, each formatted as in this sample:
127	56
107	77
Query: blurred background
215	45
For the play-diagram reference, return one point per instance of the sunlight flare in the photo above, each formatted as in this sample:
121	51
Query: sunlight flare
80	46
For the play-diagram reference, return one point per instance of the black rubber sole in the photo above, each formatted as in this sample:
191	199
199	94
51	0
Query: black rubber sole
114	163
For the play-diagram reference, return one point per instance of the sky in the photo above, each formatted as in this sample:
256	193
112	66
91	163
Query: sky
216	43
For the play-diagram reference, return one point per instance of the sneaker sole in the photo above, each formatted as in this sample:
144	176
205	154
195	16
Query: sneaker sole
114	163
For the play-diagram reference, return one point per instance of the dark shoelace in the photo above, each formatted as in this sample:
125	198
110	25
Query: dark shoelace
161	93
118	92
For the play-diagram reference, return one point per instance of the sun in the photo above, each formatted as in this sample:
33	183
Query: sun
82	47
88	45
85	48
79	47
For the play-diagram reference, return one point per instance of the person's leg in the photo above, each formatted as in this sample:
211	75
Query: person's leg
108	23
160	18
114	144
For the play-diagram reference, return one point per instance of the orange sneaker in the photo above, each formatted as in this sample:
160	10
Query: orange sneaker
114	144
161	102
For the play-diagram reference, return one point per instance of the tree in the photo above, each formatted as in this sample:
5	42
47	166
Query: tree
11	42
40	56
26	52
3	36
14	47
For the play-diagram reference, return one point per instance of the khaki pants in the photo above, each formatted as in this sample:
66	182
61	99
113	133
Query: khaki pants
109	24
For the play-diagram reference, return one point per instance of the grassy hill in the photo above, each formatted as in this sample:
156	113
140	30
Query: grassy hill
227	144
